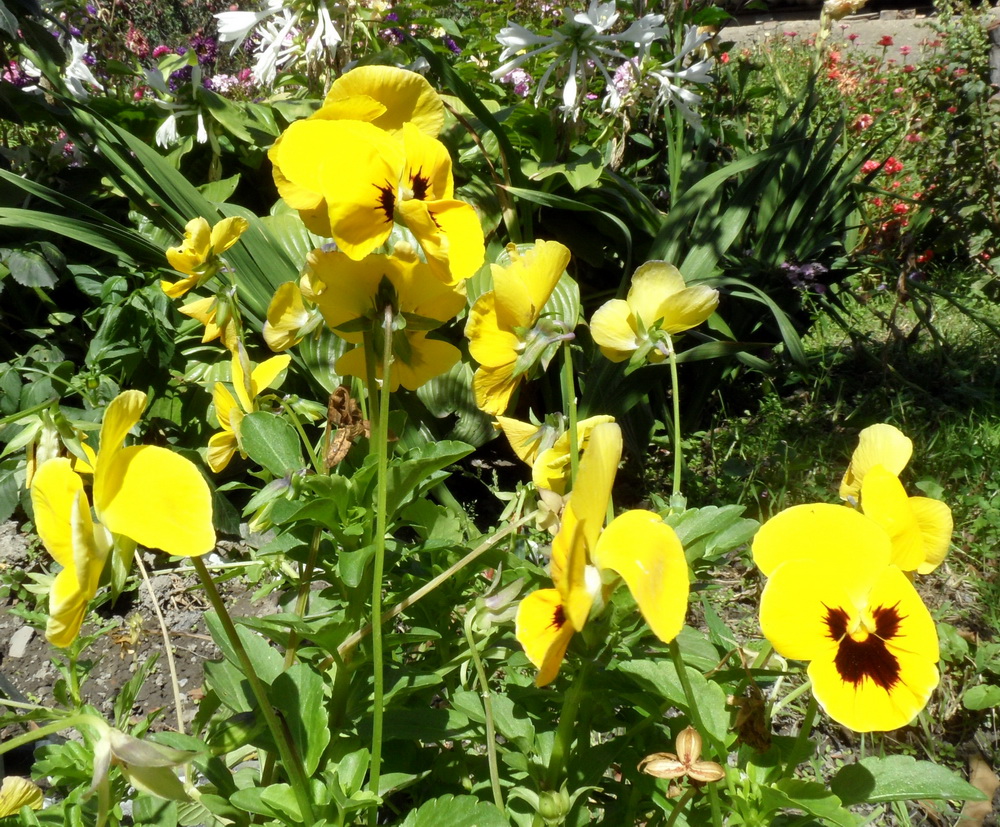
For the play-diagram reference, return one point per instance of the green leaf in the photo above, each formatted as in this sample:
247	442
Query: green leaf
456	811
298	693
814	798
28	268
983	696
271	442
899	778
413	474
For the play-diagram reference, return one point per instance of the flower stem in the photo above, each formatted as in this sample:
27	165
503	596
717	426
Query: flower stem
569	404
567	725
675	392
167	647
491	736
798	748
679	806
381	447
289	759
317	466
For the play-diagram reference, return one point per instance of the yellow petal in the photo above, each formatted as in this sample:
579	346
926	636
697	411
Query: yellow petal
427	358
883	682
194	249
877	445
53	492
522	436
551	469
121	415
176	289
160	500
265	375
427	172
689	308
450	234
592	487
227	232
795	608
646	553
524	286
67	607
884	501
936	527
490	343
544	631
286	316
613	329
406	96
221	447
18	792
825	532
224	406
493	387
354	108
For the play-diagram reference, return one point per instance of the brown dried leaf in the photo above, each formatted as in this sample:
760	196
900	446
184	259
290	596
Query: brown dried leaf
344	420
982	777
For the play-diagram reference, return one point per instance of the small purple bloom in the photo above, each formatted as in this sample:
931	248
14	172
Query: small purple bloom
452	46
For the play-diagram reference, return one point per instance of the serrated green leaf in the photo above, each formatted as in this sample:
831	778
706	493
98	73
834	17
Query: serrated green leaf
456	811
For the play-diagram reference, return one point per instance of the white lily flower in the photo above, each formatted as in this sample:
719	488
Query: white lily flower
324	36
274	51
600	16
166	133
670	91
235	26
77	72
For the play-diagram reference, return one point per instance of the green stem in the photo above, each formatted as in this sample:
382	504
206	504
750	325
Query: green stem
798	692
798	748
675	392
491	736
302	598
692	701
567	725
313	459
569	404
41	732
679	806
381	447
289	759
41	406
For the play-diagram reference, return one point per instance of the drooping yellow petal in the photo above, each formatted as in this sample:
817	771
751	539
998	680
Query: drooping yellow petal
406	97
689	308
176	289
67	607
53	492
490	344
659	292
884	501
18	792
551	469
592	487
194	249
227	232
568	569
221	448
286	316
450	234
614	331
879	444
159	499
648	556
880	681
493	387
524	437
121	415
826	532
542	628
936	527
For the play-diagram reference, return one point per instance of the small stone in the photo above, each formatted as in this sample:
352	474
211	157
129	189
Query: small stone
19	642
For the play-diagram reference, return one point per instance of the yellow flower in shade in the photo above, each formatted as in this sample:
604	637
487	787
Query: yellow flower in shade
368	159
197	256
882	445
17	793
546	448
501	329
230	412
355	295
920	527
589	561
141	494
834	599
288	318
206	312
658	301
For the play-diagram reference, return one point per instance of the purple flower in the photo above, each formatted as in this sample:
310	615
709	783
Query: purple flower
452	46
520	80
207	48
805	276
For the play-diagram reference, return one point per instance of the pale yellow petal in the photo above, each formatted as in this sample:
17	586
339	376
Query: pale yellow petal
227	232
613	330
406	96
54	490
689	308
265	375
522	436
936	527
884	501
221	448
18	792
879	444
493	387
648	556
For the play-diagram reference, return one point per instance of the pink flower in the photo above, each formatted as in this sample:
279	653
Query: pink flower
914	138
909	67
871	165
898	90
886	41
791	34
892	166
853	36
862	123
877	202
160	51
724	57
952	110
905	50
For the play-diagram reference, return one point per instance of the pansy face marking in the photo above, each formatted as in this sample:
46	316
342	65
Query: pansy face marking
864	654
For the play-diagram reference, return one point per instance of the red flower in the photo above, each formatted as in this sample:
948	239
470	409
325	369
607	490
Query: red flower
886	41
925	256
862	122
892	166
724	57
871	165
900	209
852	36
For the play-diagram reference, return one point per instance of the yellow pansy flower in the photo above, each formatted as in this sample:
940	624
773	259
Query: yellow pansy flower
834	599
588	562
289	320
19	792
546	448
230	412
658	300
355	295
197	256
880	444
368	159
206	312
502	323
144	494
